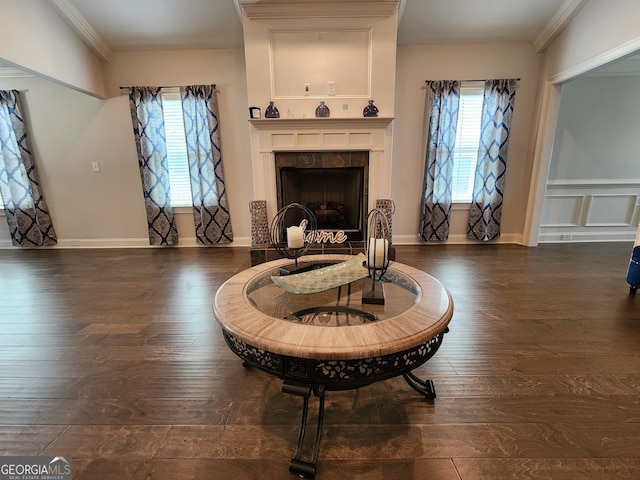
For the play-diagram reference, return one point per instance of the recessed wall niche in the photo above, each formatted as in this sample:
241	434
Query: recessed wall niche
319	57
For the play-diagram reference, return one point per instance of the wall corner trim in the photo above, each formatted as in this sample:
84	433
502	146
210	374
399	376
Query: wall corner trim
83	29
567	11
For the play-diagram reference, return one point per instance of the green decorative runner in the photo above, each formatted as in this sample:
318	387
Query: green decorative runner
325	278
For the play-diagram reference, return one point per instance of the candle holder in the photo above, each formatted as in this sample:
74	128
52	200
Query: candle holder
377	245
289	231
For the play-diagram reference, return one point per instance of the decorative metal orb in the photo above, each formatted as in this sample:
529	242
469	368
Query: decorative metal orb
293	215
378	242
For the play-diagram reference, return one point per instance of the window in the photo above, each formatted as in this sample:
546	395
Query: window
465	154
176	149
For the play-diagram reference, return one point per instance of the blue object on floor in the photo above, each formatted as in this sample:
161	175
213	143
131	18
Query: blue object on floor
633	274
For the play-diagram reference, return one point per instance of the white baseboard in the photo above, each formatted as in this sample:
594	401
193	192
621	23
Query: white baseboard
581	237
245	242
102	243
127	243
456	239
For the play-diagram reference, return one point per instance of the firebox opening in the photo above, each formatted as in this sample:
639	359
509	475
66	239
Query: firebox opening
332	194
333	185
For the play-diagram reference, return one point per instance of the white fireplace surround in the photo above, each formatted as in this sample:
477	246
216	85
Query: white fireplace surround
294	51
316	135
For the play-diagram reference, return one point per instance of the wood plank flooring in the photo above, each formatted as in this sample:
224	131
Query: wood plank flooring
113	357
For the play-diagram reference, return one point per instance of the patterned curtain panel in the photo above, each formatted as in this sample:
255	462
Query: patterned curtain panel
441	118
27	215
148	128
486	206
202	131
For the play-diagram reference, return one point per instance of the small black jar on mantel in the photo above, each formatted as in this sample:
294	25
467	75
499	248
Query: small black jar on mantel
322	111
370	110
271	111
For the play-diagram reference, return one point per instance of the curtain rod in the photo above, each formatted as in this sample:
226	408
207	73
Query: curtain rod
163	86
478	80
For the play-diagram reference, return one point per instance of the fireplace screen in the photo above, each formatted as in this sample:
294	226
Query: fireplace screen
336	195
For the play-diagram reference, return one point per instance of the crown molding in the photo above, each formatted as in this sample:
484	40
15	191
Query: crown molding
83	29
567	11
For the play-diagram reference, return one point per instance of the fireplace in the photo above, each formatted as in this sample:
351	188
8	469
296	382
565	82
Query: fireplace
278	37
333	185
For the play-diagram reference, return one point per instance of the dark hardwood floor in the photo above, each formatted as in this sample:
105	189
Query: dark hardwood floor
113	357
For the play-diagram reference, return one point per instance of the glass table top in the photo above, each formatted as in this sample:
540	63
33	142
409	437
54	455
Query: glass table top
337	306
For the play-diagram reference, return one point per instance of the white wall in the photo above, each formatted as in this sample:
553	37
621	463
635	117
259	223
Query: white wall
594	175
70	130
415	64
34	38
602	32
597	137
225	68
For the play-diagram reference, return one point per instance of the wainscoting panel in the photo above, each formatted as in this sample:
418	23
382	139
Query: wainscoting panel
610	210
562	210
590	211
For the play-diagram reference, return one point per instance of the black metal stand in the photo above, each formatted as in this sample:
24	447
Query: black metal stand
298	466
373	296
296	268
426	388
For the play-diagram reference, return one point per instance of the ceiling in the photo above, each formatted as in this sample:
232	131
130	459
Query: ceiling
117	25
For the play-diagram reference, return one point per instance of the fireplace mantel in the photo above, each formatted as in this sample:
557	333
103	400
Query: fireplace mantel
320	123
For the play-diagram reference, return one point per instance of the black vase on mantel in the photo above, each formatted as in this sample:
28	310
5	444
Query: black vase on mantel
271	111
370	110
322	111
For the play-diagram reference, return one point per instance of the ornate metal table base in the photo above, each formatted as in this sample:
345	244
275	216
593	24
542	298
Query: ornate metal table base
309	377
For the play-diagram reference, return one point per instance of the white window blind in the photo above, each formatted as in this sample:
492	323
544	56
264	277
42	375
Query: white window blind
465	154
176	149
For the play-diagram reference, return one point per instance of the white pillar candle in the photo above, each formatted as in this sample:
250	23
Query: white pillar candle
295	237
377	252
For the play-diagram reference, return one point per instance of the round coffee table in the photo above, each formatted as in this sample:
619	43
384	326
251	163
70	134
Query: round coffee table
330	339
